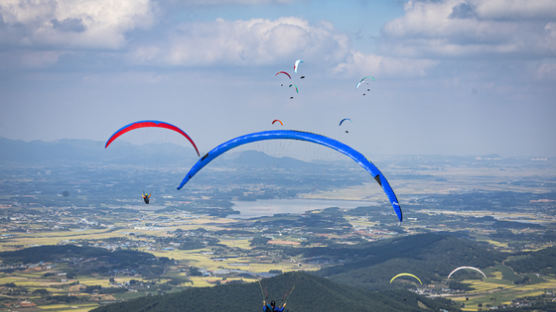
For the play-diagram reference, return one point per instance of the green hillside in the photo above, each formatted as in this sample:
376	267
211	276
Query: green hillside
430	256
542	261
311	293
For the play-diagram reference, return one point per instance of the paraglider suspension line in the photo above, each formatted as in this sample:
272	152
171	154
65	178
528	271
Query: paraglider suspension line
263	293
287	295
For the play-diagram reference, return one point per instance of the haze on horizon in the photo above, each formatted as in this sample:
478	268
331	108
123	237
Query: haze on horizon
452	76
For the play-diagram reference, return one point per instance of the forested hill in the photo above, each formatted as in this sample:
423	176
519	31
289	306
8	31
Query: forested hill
430	256
311	293
542	261
89	260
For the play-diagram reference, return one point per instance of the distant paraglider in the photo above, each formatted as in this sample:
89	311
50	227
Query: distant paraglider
364	80
290	83
146	197
301	136
406	274
467	268
146	124
342	121
277	120
296	88
284	73
296	65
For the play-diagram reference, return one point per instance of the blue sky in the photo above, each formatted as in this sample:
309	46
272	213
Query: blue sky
452	76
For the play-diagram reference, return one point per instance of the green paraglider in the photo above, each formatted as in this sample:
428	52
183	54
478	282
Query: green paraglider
293	85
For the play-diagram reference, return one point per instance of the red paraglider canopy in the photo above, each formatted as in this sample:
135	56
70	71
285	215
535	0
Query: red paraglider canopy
278	120
283	72
146	124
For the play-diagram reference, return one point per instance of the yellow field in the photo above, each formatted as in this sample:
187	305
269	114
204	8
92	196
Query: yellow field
484	291
236	243
200	258
67	307
55	290
550	284
66	237
497	275
360	222
10	279
193	255
56	238
537	248
497	244
199	281
104	282
36	283
202	281
483	286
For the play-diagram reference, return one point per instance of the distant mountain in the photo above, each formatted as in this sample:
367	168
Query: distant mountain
67	152
70	151
311	293
430	256
256	159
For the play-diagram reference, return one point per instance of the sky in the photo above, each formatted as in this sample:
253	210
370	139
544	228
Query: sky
451	77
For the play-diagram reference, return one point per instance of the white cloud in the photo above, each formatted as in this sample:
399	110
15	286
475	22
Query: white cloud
360	64
223	2
266	42
515	9
71	24
460	28
246	42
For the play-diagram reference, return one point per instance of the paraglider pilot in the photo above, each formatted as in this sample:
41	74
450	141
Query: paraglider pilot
146	197
272	307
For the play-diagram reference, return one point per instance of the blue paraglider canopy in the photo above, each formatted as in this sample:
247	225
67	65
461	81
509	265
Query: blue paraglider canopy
343	120
301	136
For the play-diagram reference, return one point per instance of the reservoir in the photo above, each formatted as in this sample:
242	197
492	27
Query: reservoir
269	207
